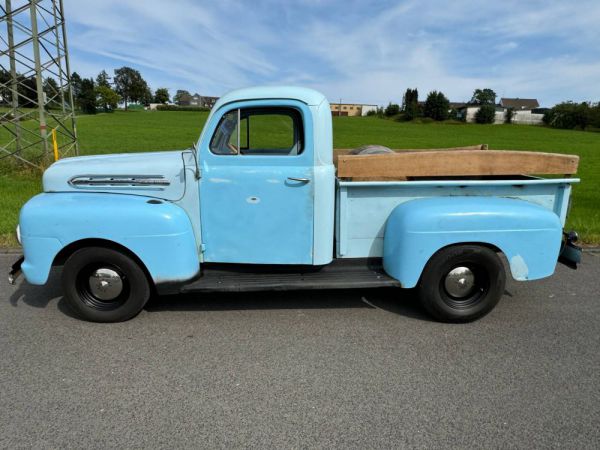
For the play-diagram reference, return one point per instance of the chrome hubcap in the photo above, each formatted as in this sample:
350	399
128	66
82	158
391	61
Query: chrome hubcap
459	282
106	284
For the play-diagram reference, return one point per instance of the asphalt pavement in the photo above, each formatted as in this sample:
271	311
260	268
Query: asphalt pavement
343	369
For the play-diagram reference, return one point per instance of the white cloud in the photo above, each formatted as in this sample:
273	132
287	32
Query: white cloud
349	49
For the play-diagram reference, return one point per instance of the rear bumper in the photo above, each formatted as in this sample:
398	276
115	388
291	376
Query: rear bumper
570	254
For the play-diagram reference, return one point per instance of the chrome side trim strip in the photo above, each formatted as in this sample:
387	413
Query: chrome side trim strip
118	180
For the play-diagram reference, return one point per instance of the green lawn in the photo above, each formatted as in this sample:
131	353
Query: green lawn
145	131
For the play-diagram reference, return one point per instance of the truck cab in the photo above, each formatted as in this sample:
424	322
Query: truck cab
256	205
267	187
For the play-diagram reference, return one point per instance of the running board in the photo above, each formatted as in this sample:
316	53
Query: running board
340	274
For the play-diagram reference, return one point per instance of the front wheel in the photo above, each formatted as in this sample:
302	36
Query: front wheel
462	283
104	285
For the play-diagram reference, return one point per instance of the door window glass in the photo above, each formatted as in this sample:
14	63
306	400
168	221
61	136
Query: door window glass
259	131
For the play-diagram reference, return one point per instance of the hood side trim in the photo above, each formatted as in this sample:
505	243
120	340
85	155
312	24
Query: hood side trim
83	181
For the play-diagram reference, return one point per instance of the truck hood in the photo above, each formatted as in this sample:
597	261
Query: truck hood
157	174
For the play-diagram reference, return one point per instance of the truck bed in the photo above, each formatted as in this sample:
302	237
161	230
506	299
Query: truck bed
363	207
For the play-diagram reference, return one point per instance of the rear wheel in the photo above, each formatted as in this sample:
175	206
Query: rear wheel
462	283
104	285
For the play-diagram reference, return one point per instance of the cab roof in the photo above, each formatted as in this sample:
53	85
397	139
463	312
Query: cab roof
305	95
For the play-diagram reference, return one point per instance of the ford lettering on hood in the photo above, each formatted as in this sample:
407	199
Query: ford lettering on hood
157	174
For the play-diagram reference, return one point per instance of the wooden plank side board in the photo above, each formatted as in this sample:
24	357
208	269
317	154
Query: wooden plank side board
456	163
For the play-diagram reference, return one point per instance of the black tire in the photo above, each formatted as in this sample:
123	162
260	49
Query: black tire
488	280
82	264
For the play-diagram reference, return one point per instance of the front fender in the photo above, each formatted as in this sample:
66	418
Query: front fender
529	235
159	233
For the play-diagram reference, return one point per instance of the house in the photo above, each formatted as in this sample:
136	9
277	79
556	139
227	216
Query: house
185	99
519	104
203	101
456	105
197	100
351	109
526	111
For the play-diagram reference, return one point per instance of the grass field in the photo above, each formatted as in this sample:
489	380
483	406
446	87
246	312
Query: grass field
145	131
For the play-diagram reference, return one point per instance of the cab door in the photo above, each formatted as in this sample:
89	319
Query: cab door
256	189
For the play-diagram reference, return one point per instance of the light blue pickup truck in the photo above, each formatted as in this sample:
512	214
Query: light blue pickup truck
256	205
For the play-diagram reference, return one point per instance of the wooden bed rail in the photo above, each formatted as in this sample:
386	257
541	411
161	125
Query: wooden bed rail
464	162
345	151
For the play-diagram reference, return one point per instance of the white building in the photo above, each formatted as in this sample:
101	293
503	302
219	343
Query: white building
526	111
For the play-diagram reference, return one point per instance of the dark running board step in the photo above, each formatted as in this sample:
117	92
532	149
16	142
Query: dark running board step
341	274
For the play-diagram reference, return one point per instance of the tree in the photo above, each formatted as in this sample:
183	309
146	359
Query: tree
106	98
27	90
52	92
595	116
182	97
130	85
5	87
486	114
436	106
483	97
510	114
391	109
76	84
569	115
147	97
103	79
410	104
86	100
161	96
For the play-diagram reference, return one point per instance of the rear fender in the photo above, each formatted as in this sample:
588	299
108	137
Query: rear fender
158	233
529	235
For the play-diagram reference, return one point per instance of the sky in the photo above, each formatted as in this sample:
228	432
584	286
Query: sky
353	51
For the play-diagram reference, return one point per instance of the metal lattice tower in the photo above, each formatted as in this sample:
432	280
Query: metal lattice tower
36	95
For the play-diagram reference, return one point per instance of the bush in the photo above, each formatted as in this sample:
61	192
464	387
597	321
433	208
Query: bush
180	108
401	117
391	110
376	112
485	114
135	107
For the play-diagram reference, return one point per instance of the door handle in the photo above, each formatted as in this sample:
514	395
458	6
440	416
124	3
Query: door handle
302	180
